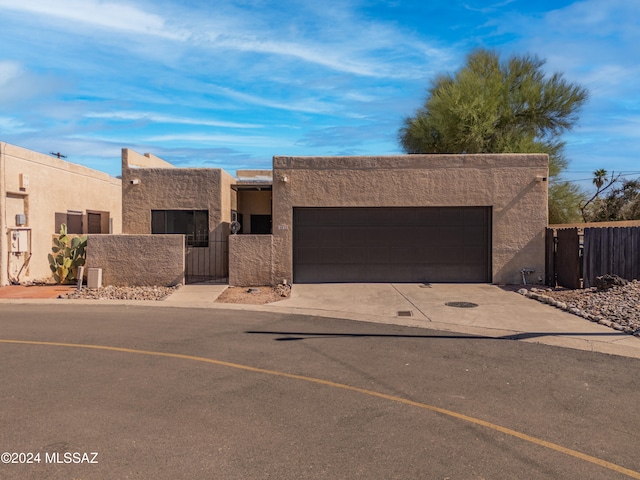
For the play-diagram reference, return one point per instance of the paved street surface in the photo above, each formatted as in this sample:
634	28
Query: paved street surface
228	394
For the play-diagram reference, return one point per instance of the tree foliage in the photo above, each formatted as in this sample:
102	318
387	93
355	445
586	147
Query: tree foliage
603	181
622	203
489	106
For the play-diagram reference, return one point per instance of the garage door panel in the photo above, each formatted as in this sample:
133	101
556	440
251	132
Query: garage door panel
308	237
343	256
475	217
473	233
356	236
429	216
307	255
474	255
403	256
451	236
448	256
392	244
380	255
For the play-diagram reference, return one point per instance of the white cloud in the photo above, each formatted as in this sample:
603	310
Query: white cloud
307	106
335	38
116	16
331	57
9	71
10	125
220	140
158	118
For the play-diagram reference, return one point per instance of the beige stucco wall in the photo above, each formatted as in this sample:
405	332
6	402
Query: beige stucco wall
253	203
250	260
507	183
54	186
135	160
130	260
164	187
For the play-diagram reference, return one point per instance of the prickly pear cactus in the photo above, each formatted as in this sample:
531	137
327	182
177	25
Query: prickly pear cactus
69	253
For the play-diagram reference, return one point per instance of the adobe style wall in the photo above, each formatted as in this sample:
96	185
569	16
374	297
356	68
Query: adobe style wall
55	186
251	260
137	260
161	186
505	182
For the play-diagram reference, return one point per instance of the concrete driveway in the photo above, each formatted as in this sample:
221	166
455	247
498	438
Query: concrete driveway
499	313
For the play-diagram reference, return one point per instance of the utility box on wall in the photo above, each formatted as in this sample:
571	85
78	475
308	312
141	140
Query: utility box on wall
19	241
94	278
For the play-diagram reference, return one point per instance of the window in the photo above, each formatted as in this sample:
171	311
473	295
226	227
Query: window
192	223
72	219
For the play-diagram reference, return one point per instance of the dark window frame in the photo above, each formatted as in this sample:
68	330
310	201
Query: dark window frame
193	224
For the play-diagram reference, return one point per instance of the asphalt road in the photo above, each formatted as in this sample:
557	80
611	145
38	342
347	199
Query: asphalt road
214	394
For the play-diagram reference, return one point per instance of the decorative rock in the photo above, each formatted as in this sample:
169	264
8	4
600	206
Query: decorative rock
111	292
283	289
607	281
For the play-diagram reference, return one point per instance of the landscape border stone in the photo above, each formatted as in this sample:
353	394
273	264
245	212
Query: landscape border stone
615	292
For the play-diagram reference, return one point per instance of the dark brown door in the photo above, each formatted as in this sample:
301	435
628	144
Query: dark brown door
392	244
94	220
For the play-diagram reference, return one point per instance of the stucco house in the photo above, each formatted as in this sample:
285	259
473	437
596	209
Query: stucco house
410	218
406	218
38	193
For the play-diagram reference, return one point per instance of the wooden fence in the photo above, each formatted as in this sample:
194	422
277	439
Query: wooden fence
611	250
575	257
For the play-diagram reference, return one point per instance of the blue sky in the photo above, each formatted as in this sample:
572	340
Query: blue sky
232	83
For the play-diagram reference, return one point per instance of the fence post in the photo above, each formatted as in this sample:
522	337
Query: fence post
550	257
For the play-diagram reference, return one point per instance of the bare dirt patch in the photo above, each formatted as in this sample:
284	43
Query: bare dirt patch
254	295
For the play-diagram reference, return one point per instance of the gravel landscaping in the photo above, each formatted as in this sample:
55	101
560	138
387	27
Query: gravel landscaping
246	295
123	293
617	306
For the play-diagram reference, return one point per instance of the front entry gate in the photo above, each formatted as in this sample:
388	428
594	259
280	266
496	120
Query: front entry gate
210	263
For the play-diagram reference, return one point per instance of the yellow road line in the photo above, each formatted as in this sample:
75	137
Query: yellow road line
460	416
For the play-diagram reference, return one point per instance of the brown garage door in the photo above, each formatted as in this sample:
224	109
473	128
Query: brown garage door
392	244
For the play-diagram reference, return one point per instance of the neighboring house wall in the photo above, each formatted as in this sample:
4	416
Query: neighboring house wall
57	192
506	183
130	260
